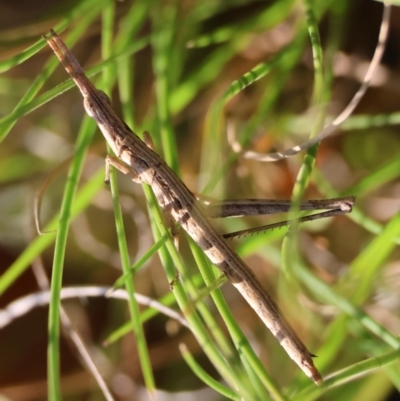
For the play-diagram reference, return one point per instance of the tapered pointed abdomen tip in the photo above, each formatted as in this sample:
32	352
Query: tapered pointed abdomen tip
317	378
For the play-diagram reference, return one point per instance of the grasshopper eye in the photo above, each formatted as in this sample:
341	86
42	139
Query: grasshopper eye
91	104
89	107
103	96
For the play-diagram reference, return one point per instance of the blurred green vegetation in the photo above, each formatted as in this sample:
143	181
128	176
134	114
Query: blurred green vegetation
185	72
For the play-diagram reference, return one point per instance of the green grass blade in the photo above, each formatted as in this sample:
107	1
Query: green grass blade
83	141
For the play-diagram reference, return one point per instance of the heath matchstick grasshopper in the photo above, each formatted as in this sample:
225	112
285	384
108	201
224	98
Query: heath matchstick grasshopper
136	158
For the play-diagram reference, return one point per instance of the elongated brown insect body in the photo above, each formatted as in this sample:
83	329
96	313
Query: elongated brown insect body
173	195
